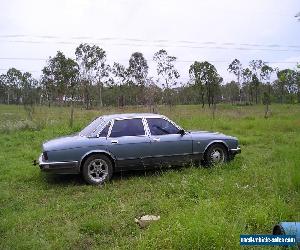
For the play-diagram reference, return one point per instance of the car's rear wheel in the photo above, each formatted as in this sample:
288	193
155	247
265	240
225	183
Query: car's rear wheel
216	154
97	169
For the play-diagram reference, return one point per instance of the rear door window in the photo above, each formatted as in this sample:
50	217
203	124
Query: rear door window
127	127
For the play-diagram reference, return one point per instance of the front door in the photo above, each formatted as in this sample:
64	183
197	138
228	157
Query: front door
168	146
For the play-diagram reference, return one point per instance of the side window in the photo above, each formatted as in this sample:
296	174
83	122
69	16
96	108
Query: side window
160	126
104	131
128	127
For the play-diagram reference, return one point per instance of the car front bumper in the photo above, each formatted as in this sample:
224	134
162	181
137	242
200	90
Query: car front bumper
63	167
235	151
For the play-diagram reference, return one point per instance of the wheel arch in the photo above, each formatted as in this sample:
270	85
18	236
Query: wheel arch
214	142
95	152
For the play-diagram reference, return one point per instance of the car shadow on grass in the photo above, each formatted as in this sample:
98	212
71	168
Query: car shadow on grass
64	179
77	180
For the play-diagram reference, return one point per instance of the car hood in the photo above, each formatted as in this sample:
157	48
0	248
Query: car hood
65	142
210	134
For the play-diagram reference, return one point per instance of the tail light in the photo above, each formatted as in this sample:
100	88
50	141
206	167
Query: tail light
45	156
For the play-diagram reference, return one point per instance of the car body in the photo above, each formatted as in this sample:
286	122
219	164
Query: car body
134	141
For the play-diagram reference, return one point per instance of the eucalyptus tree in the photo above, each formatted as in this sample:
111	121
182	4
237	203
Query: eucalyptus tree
4	88
246	82
266	72
208	75
236	68
291	85
256	66
138	71
120	73
298	81
231	91
196	77
166	69
48	83
63	73
282	82
93	68
29	95
287	81
13	84
255	83
138	68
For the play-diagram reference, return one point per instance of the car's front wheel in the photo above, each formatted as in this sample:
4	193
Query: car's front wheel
97	169
216	154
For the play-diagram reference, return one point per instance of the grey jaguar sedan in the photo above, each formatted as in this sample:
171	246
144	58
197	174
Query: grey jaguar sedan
120	142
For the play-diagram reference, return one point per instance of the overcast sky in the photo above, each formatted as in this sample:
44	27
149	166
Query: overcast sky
213	30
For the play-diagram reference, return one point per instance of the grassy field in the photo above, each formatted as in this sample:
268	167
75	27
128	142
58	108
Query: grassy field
200	208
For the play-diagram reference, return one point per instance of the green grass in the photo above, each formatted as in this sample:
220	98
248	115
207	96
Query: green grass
199	207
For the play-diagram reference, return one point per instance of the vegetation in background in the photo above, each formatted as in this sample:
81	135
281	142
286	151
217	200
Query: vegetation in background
96	83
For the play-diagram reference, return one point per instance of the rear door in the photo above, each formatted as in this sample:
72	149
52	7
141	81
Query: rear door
128	142
168	146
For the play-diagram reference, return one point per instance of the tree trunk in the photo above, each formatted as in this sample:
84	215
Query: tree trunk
72	113
214	109
100	95
267	110
8	97
256	95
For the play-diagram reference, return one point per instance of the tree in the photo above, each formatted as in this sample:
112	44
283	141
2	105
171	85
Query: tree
196	77
287	80
209	76
138	68
236	68
291	83
166	69
93	67
255	83
231	92
138	71
13	81
29	85
63	73
256	66
247	86
4	88
121	74
298	82
265	73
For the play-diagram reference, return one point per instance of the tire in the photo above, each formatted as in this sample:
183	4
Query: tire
97	169
216	154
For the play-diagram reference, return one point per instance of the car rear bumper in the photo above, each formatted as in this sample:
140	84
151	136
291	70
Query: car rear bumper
64	167
235	151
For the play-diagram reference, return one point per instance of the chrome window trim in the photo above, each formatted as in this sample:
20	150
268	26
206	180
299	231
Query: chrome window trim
110	128
102	129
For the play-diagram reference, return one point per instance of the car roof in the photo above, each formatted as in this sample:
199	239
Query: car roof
131	115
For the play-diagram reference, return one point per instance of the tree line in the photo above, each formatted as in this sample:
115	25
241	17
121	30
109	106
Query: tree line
89	81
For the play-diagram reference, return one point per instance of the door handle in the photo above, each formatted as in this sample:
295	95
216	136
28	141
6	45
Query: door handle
114	141
156	139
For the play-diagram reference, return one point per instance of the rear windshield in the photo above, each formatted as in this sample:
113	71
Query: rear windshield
92	127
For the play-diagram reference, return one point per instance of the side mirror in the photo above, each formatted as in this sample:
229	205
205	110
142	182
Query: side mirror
181	132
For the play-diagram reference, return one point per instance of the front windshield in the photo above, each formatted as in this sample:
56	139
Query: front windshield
92	127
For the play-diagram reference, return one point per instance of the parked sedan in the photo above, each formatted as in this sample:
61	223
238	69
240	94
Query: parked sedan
113	143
